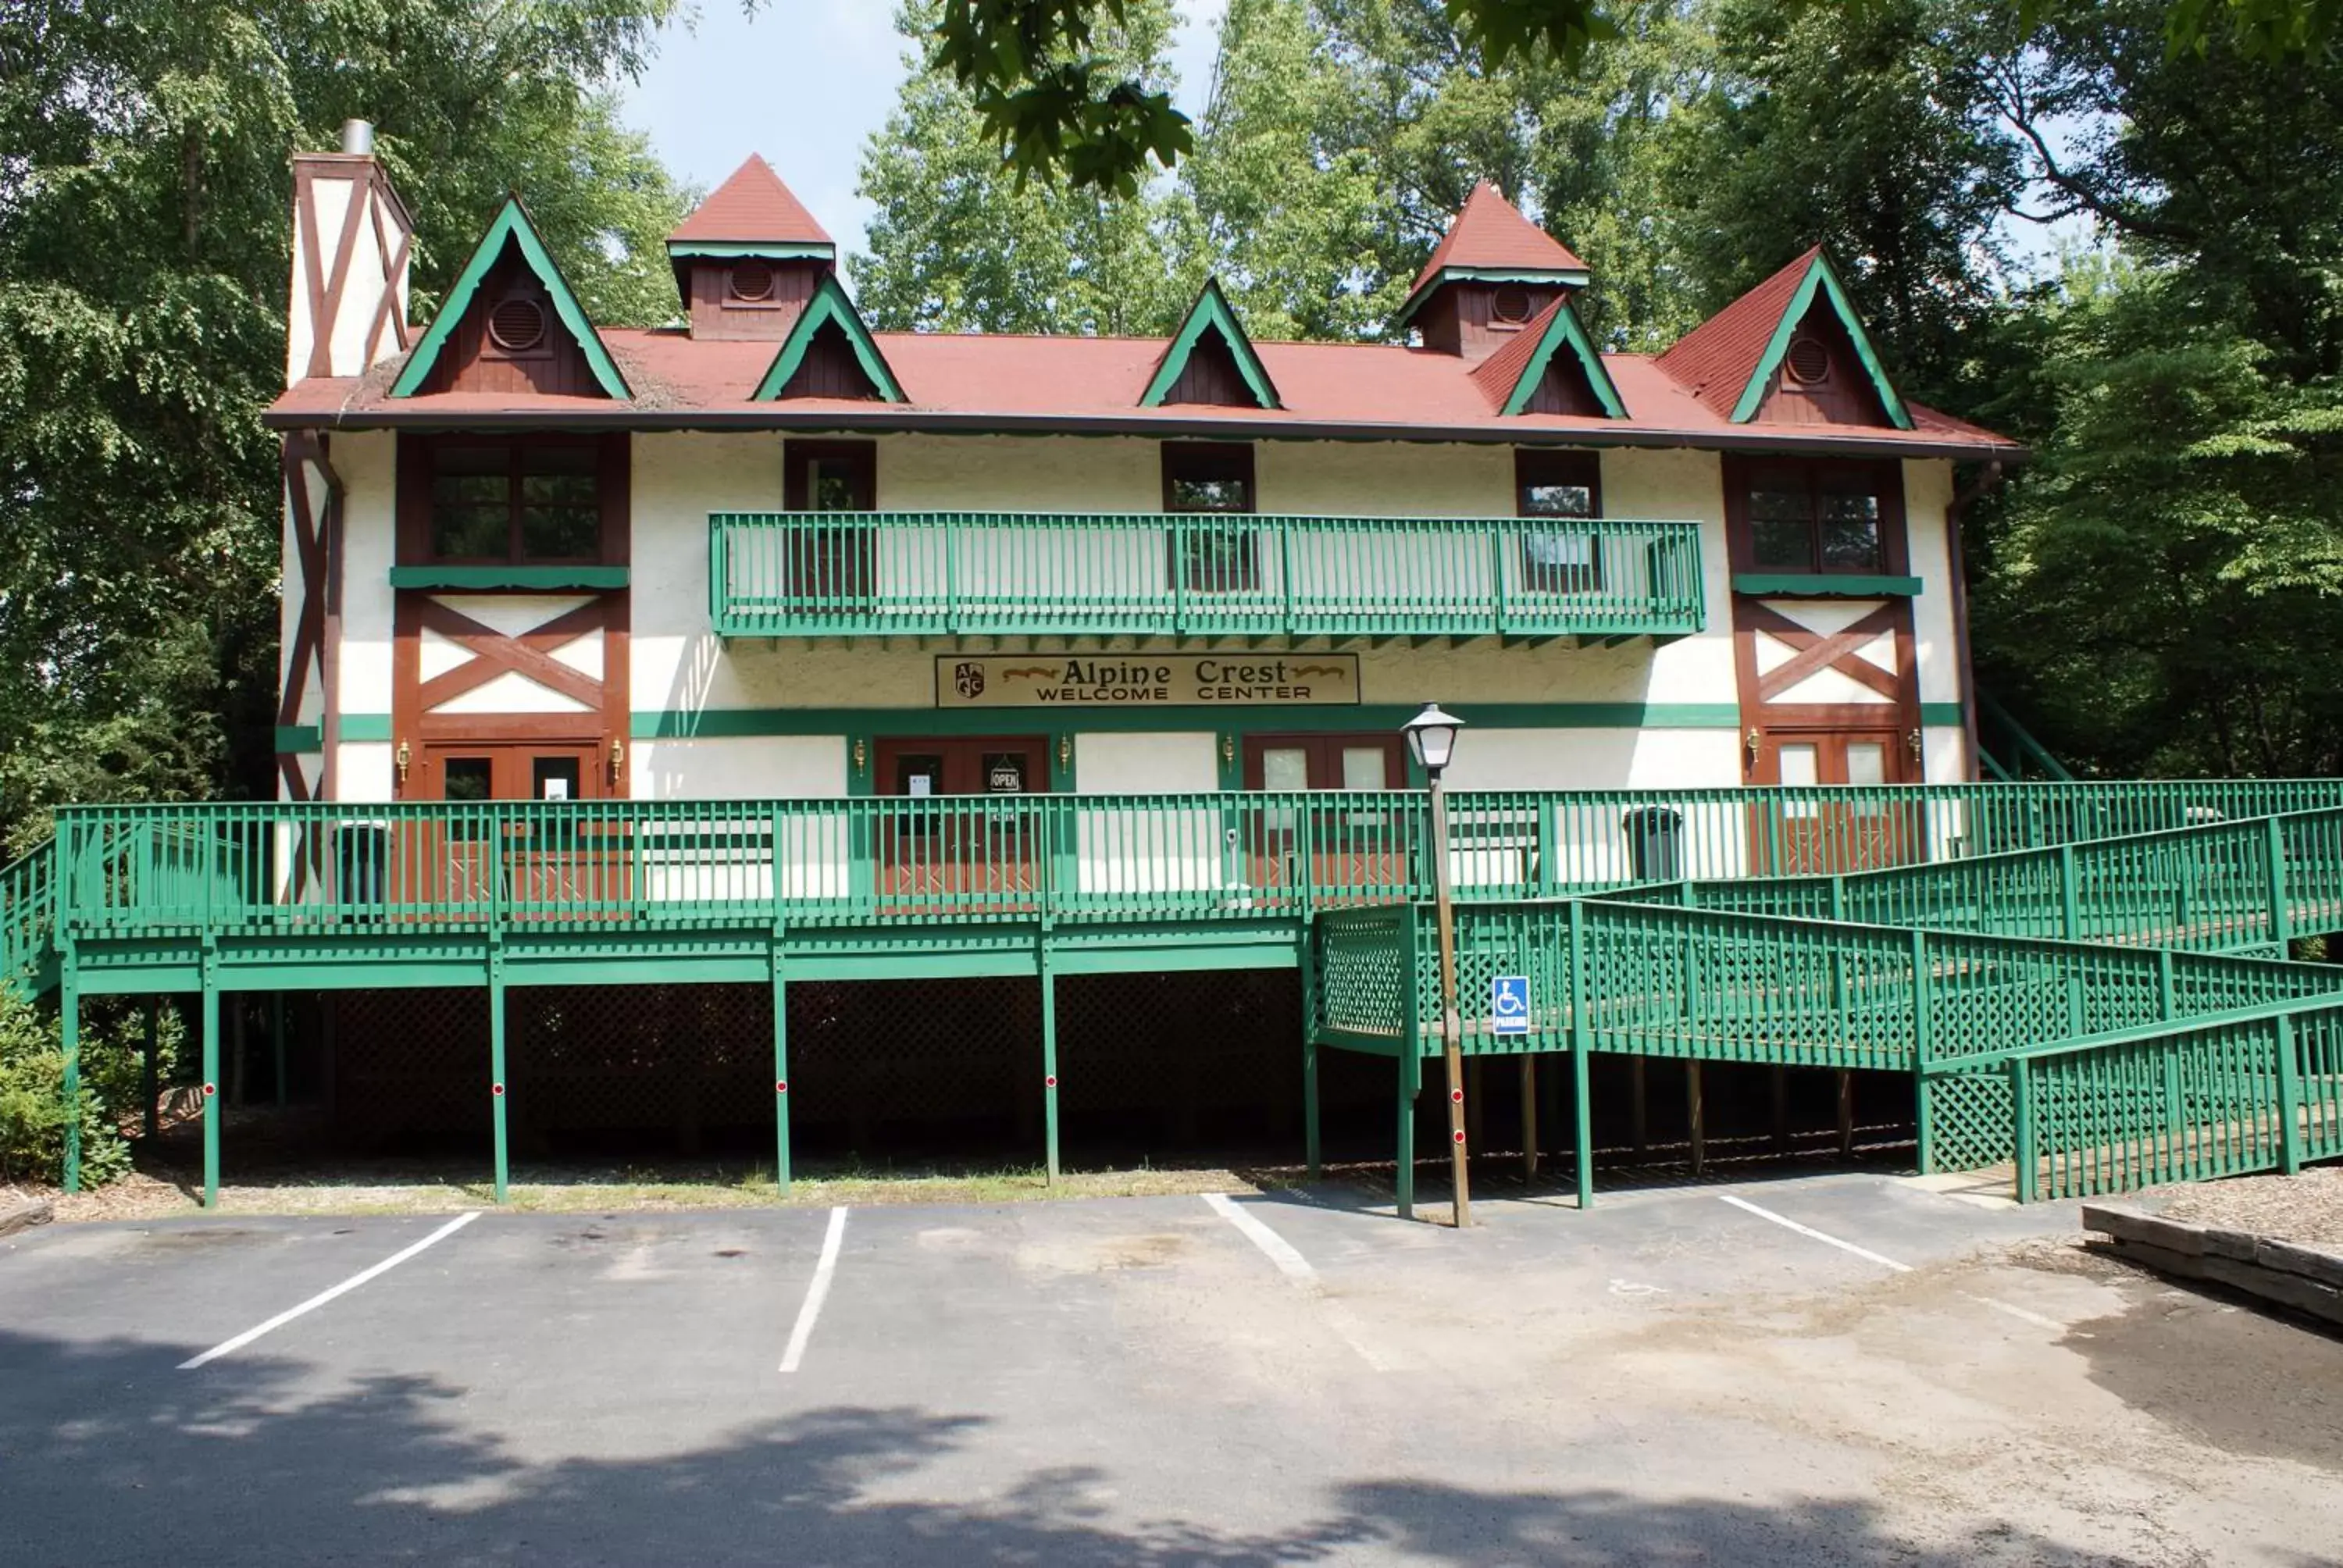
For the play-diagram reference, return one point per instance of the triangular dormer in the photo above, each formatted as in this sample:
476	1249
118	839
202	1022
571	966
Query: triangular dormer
1209	360
1792	350
1493	273
1550	367
510	324
749	259
829	352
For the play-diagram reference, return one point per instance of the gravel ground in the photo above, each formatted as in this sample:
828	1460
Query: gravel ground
2306	1208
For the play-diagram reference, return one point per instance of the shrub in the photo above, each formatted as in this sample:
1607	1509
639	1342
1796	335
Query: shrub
32	1109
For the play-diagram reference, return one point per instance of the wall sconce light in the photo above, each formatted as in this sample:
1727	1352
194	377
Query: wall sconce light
618	756
1915	743
1065	751
862	757
404	756
1752	741
1228	748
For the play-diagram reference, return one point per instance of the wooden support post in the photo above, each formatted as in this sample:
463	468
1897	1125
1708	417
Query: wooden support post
1049	1063
496	1069
781	1071
1639	1106
1695	1117
276	1042
1582	1048
1777	1089
1846	1113
69	1043
211	1028
1309	1120
148	1088
1529	1117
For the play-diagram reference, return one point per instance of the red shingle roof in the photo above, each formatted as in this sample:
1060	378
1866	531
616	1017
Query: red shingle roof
1715	359
752	205
1490	233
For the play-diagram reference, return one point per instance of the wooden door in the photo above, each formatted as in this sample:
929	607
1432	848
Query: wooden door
558	863
941	848
1349	853
1821	835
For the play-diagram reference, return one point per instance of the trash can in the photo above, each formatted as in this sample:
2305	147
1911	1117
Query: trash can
1655	840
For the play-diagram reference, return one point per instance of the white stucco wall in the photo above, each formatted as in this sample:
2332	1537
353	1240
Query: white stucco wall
1106	763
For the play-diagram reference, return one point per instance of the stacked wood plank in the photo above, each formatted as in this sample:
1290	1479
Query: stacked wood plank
2306	1279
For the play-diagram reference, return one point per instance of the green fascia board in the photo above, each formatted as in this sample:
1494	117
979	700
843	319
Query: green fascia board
1826	584
475	579
754	249
758	723
1211	310
1942	713
511	227
830	303
1565	329
365	725
1560	276
299	737
1819	277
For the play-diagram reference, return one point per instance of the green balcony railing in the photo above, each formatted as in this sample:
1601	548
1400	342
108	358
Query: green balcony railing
861	573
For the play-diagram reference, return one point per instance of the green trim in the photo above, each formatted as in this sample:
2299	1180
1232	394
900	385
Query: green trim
1826	584
1565	329
1819	275
751	723
366	727
509	577
829	304
511	227
292	738
1566	276
761	249
1211	309
1942	713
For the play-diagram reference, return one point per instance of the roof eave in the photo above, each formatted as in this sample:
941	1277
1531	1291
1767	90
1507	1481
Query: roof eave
1561	276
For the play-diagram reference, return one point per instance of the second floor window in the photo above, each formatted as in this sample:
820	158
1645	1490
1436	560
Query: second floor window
516	500
1820	518
1214	478
1566	486
830	566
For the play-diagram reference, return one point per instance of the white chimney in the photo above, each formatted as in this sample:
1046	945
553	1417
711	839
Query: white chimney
350	241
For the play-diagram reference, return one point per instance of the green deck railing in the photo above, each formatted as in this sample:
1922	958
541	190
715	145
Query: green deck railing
28	912
841	574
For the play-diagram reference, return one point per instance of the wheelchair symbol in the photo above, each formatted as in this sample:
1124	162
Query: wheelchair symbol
1509	1004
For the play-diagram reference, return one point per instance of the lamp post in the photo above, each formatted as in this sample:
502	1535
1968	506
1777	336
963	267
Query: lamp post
1431	737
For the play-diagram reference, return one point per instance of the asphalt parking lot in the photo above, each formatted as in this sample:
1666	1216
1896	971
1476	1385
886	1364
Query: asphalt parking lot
1840	1369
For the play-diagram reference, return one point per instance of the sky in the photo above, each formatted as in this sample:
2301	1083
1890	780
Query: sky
805	83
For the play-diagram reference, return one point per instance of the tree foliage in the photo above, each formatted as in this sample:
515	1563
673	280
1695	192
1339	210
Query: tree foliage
143	200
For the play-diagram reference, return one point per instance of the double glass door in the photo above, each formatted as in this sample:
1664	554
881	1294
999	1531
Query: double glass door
961	827
1340	847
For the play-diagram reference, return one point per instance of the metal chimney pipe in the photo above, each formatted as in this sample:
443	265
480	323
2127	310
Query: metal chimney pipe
357	137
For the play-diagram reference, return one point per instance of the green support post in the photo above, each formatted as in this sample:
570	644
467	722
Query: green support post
69	1041
2070	894
276	1040
2282	917
1923	1112
1582	1040
2021	1117
496	1069
1308	957
146	1085
1411	1067
1049	1062
781	1071
211	1006
2289	1098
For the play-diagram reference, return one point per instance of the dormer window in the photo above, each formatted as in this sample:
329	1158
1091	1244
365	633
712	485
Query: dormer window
752	281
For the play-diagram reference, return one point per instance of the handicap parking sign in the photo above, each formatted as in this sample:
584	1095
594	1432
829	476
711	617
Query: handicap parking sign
1509	1004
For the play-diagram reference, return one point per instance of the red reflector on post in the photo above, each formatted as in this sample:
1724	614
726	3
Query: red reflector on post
497	1089
1456	1096
210	1089
781	1086
1460	1138
1050	1082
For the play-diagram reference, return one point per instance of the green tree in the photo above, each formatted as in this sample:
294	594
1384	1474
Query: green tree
959	242
145	205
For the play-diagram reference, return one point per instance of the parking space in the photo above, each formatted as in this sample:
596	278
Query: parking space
1838	1369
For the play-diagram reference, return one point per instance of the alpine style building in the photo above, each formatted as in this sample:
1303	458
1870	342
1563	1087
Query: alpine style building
757	706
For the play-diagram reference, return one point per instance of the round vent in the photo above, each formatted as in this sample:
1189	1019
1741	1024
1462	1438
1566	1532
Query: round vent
1810	361
752	280
1510	305
517	326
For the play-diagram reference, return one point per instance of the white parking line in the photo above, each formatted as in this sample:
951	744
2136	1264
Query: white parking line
1791	1224
322	1297
817	1291
1296	1268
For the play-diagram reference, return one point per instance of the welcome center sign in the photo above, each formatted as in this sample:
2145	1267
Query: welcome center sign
1146	680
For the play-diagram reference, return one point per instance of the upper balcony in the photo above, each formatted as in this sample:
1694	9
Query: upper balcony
1200	575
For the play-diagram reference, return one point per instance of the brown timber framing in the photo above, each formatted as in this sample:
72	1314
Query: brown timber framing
323	287
317	536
